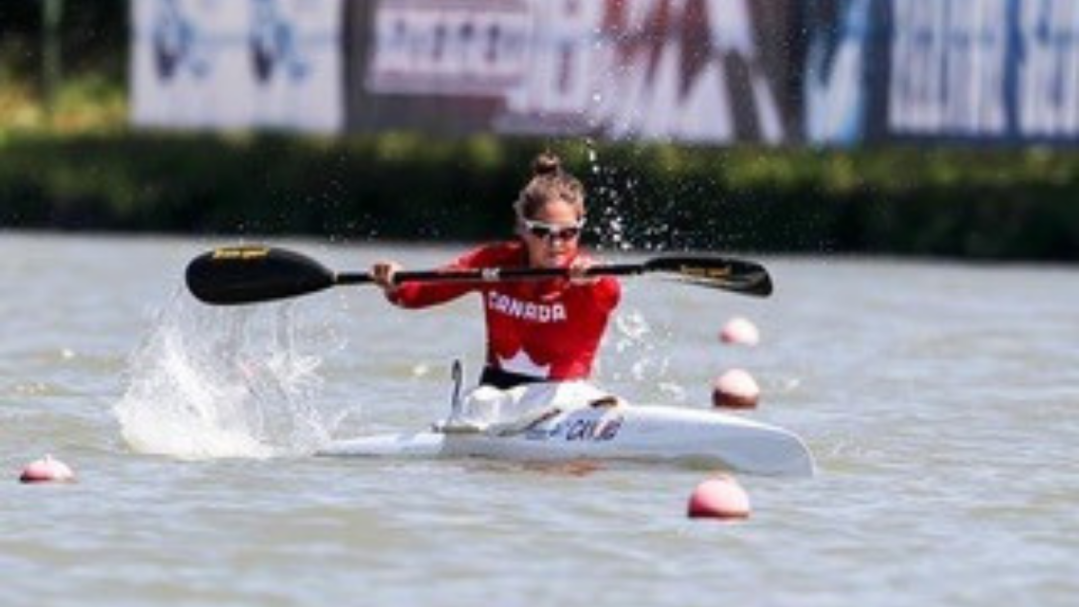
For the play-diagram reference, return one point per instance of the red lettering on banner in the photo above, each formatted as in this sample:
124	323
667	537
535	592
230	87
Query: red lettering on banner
684	69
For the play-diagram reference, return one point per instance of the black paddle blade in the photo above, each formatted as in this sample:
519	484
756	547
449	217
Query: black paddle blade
737	275
250	274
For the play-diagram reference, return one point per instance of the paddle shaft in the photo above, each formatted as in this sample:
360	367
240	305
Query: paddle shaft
487	275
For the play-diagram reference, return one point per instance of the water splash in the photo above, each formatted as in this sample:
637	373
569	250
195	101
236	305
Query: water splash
226	382
639	349
610	224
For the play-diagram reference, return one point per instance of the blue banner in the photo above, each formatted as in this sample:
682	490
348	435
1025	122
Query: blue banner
1002	71
838	69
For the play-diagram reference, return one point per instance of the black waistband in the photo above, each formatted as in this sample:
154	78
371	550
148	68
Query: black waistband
504	380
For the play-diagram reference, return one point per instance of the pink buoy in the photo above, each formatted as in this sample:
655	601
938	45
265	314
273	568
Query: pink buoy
740	331
735	389
47	470
721	498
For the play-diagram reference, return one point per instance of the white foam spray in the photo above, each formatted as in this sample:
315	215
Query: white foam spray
638	353
634	355
226	382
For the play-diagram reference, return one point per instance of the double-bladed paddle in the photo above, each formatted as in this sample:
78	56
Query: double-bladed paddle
251	274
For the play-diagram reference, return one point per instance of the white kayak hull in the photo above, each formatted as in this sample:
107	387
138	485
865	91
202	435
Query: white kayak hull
644	433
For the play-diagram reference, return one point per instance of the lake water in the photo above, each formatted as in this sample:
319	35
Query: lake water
939	399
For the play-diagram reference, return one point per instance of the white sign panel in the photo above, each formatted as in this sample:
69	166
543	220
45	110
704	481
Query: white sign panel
1048	79
236	64
433	47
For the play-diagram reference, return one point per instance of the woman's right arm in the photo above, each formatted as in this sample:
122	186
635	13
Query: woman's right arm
416	294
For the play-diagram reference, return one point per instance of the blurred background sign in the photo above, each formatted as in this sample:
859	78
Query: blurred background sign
687	70
830	72
977	71
238	64
691	70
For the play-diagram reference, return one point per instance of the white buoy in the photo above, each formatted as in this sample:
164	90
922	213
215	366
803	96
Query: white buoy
47	470
720	498
735	389
740	331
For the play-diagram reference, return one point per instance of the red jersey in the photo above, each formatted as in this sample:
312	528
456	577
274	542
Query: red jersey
547	329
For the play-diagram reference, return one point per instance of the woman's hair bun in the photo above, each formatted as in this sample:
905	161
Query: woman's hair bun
546	163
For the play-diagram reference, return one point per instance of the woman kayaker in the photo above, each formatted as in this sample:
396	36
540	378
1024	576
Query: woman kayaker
537	331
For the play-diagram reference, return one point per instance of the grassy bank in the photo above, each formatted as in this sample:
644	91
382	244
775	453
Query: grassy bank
1004	204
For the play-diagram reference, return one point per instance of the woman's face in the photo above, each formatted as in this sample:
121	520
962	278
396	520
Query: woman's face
552	234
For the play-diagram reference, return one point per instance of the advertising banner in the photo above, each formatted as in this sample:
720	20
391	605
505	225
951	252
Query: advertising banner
1000	71
227	64
687	70
831	72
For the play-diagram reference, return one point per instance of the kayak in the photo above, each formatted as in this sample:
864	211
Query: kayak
621	432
